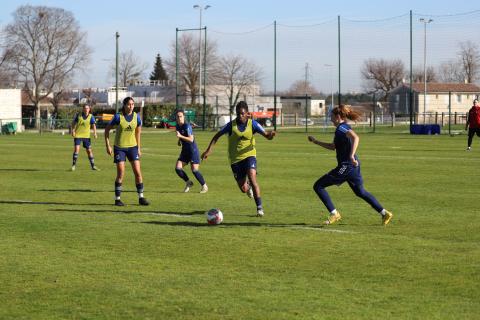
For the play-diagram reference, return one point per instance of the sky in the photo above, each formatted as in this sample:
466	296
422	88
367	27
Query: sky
306	34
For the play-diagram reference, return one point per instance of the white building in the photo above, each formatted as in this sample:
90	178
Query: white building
11	107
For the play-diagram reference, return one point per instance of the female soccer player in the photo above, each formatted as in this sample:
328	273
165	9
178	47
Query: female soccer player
345	144
81	134
241	151
127	146
189	153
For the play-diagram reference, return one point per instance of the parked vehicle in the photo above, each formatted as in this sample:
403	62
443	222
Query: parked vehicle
308	122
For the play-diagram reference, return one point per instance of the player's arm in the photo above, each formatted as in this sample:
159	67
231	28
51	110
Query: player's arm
269	134
214	140
184	138
326	145
467	121
74	123
107	138
138	131
94	130
258	128
355	139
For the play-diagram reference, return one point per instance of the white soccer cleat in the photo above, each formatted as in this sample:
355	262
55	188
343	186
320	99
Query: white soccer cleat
204	189
260	213
188	185
73	168
250	192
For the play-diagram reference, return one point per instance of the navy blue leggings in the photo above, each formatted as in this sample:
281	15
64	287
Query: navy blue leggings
328	180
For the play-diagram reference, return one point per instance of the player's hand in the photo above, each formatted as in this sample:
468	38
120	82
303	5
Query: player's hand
272	134
205	155
73	133
139	152
311	139
354	161
109	150
178	134
95	135
179	143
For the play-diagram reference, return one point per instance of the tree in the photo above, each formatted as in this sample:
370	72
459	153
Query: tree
238	75
418	74
188	64
46	46
382	75
301	88
158	72
451	71
469	57
130	68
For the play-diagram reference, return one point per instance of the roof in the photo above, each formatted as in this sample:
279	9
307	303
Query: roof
433	87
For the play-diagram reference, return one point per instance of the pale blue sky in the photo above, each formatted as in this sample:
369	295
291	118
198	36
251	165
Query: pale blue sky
148	28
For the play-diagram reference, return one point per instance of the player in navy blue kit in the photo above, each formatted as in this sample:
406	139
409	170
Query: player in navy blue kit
189	153
345	144
242	152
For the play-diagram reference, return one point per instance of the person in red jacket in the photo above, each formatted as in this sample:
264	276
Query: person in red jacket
473	123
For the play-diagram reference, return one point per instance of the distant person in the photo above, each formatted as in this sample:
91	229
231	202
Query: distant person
81	135
473	123
345	144
127	146
189	153
242	152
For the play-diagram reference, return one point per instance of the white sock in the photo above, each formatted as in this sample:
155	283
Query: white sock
140	194
383	212
117	198
334	211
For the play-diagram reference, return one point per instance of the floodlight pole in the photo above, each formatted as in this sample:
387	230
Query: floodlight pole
425	22
117	35
200	8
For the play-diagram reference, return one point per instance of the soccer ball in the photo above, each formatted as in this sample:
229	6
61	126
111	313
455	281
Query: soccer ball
214	216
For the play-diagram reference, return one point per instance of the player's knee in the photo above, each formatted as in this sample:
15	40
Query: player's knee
244	188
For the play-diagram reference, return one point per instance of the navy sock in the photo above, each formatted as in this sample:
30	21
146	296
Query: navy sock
258	202
181	174
198	176
92	161
118	190
140	189
75	157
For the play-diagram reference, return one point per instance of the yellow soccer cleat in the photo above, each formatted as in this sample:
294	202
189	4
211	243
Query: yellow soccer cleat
333	218
386	218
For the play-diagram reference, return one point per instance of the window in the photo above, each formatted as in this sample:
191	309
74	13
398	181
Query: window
459	98
320	105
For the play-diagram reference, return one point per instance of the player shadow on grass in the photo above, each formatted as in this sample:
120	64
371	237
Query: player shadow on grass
26	202
133	211
21	169
236	224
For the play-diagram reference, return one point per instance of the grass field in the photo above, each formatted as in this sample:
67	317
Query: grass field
68	253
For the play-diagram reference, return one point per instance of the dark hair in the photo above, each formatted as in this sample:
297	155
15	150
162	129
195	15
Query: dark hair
178	111
241	105
126	100
346	112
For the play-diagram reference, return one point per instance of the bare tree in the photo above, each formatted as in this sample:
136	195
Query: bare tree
238	75
418	74
47	46
301	87
130	68
469	57
451	71
382	75
188	64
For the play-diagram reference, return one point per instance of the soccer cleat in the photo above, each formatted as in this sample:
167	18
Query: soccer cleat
73	168
386	218
260	213
250	192
119	203
188	185
204	188
333	218
143	202
95	168
469	148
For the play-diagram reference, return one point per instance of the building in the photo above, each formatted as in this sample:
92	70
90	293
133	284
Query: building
438	96
315	106
11	107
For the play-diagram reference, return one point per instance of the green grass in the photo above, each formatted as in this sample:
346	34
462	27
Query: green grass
69	253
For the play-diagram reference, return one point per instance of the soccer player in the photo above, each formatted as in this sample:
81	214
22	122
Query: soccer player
473	123
241	151
127	146
81	135
345	144
189	153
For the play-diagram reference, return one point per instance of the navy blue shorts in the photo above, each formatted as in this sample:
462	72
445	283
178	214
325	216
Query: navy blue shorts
120	154
190	156
345	172
86	142
240	169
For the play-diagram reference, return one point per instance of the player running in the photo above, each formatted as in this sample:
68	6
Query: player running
127	146
81	135
189	153
242	152
345	144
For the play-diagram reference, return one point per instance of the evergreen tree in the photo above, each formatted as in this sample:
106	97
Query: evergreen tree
158	72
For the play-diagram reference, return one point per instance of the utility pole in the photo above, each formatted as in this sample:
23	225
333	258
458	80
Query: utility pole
117	35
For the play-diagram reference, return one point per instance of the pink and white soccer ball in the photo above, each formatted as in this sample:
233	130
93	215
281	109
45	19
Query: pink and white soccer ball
214	216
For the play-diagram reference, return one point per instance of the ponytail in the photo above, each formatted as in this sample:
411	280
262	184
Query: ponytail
346	112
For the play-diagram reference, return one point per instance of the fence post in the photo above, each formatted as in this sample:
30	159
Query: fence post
455	121
281	119
393	119
296	119
442	119
370	118
436	117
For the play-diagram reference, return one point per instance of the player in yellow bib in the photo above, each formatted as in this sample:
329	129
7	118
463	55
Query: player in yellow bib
81	134
242	152
127	146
